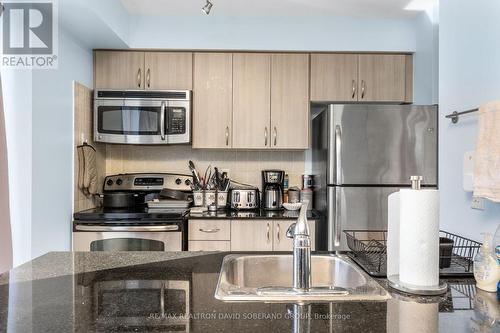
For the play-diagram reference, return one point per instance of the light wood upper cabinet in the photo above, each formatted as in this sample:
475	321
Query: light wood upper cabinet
251	235
213	98
168	70
334	77
382	78
119	70
251	100
290	101
362	78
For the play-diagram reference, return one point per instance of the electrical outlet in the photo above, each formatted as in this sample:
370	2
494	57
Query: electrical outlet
477	203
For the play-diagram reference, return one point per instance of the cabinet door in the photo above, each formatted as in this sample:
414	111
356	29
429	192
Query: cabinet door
282	243
382	78
169	70
251	100
209	245
119	70
334	77
251	235
213	98
290	101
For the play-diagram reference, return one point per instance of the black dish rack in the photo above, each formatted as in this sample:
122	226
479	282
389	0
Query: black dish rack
369	250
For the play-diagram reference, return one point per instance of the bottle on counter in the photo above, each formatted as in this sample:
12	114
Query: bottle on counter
486	266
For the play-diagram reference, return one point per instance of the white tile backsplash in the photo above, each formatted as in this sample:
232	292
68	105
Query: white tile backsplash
243	166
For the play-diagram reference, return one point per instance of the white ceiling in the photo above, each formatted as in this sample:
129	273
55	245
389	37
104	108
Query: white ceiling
360	8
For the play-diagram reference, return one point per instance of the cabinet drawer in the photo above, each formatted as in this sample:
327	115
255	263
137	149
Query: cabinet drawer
209	245
209	230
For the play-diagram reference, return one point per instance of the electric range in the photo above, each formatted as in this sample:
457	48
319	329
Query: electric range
135	228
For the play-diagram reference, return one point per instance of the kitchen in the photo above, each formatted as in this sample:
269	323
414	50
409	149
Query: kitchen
244	108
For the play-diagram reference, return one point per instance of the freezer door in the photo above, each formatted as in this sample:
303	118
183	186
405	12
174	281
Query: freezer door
358	208
382	144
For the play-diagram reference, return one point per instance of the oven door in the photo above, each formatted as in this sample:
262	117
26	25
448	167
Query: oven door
140	121
127	238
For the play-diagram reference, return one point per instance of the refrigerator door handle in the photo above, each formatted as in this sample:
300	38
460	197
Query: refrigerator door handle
338	231
338	155
334	228
331	147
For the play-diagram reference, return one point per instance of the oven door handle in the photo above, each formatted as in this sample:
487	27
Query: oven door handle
127	228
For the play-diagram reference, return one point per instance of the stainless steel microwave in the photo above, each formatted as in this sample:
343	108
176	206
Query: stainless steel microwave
142	116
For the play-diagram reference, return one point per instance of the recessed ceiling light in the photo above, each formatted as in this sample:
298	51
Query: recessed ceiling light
208	7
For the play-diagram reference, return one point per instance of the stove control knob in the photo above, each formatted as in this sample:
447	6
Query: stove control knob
109	182
178	181
119	182
187	182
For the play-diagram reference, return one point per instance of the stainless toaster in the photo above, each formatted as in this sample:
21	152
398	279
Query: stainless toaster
244	198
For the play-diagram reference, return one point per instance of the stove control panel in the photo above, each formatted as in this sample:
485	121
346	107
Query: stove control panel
148	182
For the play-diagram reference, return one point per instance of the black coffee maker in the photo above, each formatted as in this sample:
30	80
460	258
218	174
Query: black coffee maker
272	189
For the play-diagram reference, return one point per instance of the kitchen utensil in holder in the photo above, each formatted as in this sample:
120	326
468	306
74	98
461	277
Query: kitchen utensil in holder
395	281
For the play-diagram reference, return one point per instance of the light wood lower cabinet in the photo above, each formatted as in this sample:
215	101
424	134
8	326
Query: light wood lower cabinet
209	245
251	235
243	235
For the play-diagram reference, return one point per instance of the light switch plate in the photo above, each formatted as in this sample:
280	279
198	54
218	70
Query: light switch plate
477	203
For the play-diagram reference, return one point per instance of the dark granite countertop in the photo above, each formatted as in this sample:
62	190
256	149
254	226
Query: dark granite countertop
254	214
84	292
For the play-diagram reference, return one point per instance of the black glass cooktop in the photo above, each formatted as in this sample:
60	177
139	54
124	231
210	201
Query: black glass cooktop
140	213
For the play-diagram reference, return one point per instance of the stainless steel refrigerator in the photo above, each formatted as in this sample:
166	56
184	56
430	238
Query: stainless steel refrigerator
363	153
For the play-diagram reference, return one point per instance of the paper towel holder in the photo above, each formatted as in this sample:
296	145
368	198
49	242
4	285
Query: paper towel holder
416	182
394	281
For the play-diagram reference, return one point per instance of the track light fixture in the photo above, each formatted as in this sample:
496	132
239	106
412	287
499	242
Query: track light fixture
208	6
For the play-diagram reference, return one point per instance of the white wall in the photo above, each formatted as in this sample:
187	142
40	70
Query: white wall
17	97
331	33
52	172
469	74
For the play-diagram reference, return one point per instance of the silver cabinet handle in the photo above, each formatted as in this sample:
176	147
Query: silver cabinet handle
126	228
209	231
139	76
338	154
275	136
148	77
162	120
268	232
278	233
265	136
227	135
353	89
363	88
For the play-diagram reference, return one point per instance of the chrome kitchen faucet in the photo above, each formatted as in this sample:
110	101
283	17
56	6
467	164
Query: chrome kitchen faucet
299	231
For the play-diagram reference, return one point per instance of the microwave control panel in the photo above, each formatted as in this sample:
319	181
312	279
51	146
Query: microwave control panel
176	120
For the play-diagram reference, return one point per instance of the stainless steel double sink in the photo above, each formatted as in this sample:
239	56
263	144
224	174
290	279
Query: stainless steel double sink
268	278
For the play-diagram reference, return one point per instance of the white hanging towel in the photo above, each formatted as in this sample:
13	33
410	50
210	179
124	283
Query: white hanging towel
487	156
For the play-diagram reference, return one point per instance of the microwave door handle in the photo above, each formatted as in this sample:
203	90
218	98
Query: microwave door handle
162	120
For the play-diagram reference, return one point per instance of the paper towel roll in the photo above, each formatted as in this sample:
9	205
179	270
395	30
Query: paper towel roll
419	237
393	235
